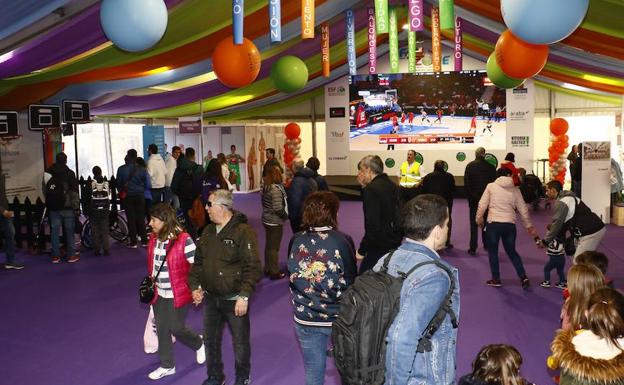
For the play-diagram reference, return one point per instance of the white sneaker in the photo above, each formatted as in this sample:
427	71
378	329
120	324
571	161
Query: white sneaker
200	354
161	372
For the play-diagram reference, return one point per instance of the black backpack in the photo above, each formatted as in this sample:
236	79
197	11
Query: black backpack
55	191
367	310
185	187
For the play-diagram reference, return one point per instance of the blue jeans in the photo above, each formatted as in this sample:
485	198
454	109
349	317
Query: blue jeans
67	219
313	341
8	234
555	262
507	232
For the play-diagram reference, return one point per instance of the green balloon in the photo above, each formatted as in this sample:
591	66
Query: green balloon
491	159
390	162
289	74
426	60
497	76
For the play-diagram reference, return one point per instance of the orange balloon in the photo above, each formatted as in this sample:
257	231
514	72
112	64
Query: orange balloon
236	65
558	126
519	59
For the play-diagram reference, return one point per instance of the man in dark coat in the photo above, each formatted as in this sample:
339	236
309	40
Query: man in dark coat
302	185
478	174
382	231
442	183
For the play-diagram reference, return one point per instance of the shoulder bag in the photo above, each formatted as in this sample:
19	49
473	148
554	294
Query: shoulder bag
146	287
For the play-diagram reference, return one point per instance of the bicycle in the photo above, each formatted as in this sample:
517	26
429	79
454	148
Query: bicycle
118	230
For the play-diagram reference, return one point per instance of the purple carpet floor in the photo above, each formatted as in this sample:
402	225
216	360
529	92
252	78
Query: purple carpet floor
79	324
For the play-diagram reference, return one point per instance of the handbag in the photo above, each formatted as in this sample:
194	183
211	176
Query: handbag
573	235
197	213
147	286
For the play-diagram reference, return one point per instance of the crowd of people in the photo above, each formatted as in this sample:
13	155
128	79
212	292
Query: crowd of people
207	253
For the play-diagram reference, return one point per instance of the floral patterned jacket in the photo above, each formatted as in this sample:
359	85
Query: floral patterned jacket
321	263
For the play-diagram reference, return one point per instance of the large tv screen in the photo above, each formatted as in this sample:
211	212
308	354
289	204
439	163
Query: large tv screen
446	110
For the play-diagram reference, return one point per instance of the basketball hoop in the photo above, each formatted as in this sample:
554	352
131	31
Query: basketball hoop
7	140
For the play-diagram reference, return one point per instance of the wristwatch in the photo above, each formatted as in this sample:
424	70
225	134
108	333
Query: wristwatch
244	298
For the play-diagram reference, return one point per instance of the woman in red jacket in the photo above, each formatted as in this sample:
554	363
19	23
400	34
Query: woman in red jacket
508	163
174	249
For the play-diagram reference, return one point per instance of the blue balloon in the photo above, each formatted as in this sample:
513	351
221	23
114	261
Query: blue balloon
134	25
543	21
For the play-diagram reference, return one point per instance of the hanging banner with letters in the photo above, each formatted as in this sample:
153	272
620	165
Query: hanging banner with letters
325	49
436	46
372	42
411	52
275	20
459	55
393	37
238	14
307	19
381	16
416	11
350	37
447	15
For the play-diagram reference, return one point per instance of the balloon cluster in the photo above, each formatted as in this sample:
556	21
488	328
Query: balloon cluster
558	146
292	146
522	51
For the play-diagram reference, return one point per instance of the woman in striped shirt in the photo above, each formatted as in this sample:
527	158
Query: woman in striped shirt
173	249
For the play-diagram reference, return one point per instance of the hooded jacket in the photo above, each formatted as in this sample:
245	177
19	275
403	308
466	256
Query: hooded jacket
587	359
157	170
227	264
502	199
586	221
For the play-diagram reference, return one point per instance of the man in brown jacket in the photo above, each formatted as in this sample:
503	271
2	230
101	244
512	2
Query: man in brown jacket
224	274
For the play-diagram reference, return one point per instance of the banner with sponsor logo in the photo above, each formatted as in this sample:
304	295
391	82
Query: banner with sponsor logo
393	37
416	9
519	113
189	125
458	45
411	52
307	19
22	163
447	14
325	49
596	182
381	16
372	42
153	135
337	127
350	37
436	44
238	16
275	20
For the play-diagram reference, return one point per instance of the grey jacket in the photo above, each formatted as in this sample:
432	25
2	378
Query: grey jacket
274	208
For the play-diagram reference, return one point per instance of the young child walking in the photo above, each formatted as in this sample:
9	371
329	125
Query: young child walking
556	260
99	212
593	355
496	364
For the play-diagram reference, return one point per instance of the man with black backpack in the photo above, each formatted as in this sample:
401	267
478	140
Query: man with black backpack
397	324
572	214
62	201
